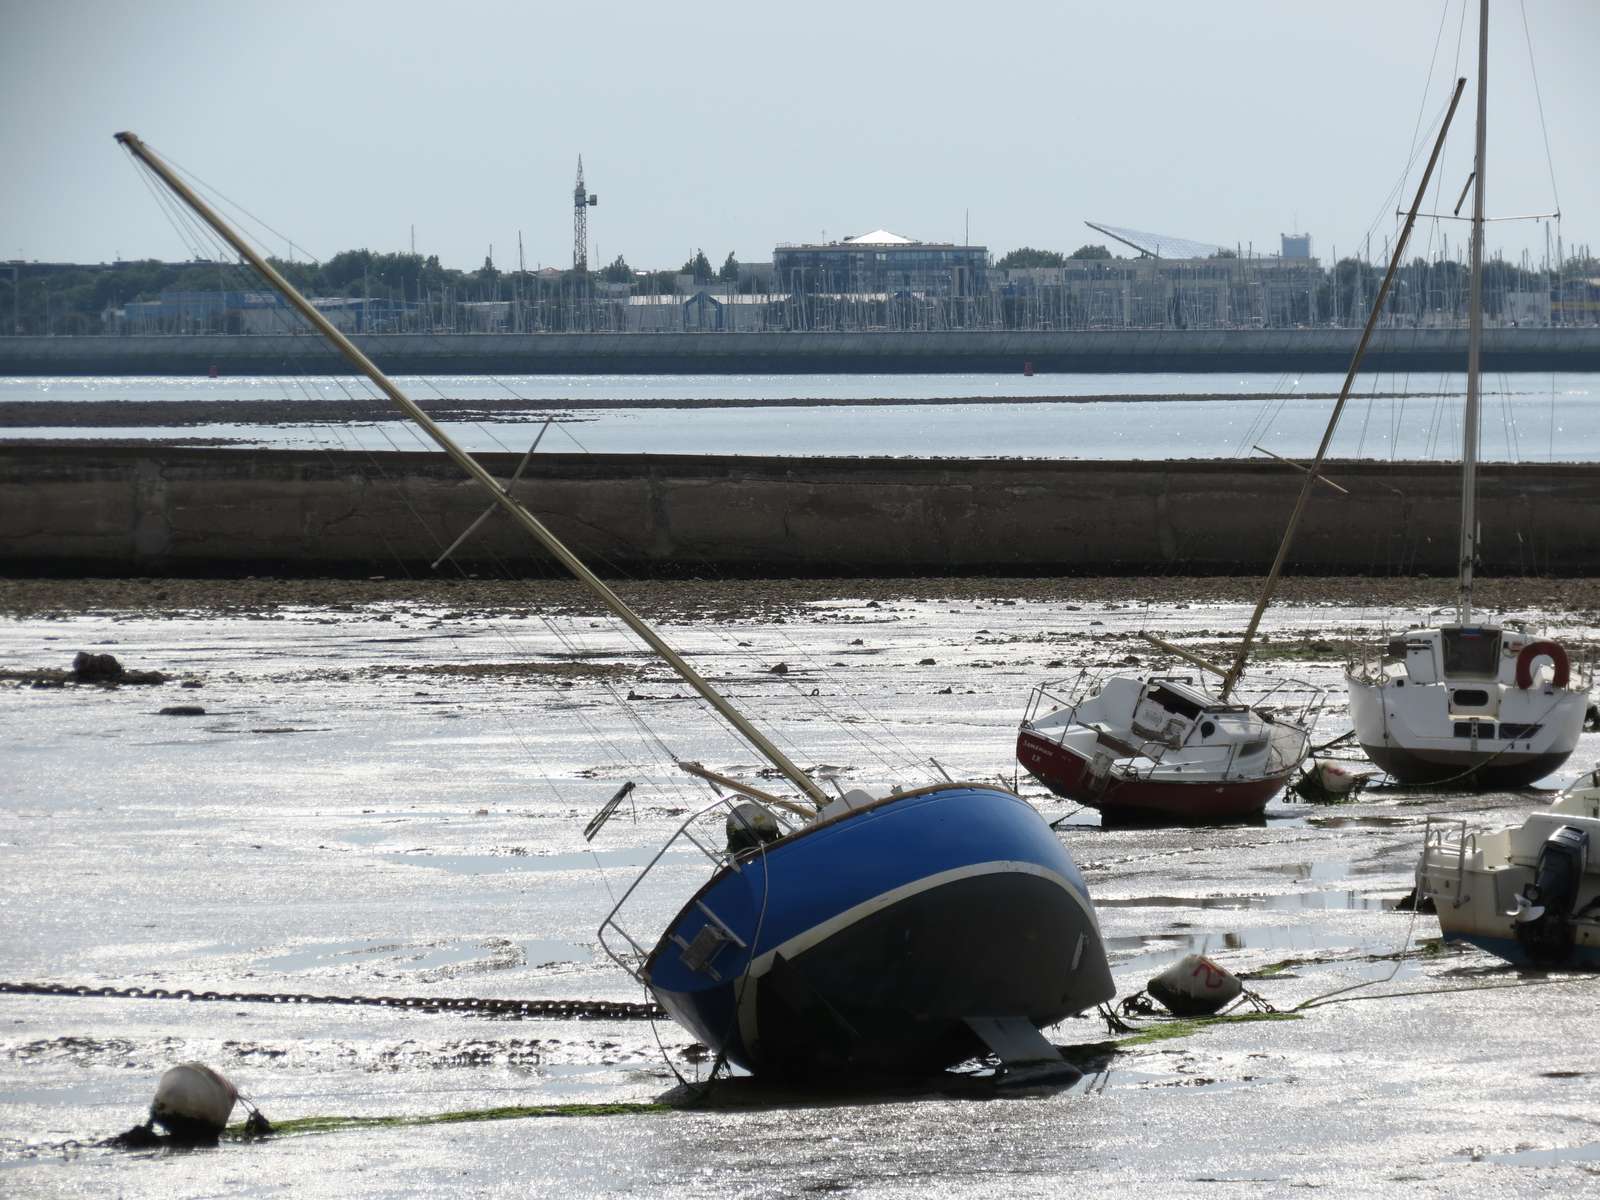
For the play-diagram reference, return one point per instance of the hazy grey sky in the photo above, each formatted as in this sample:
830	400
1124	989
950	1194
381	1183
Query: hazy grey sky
734	126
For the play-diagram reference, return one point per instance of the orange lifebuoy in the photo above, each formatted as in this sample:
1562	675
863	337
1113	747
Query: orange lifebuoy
1551	650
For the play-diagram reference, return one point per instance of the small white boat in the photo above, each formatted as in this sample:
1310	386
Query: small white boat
1144	748
1529	894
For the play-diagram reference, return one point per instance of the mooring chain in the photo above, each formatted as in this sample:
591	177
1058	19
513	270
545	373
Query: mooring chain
571	1009
1257	1001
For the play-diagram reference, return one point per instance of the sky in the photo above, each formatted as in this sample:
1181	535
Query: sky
738	126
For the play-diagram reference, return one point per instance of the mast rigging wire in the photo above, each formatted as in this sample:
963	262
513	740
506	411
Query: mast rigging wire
1533	69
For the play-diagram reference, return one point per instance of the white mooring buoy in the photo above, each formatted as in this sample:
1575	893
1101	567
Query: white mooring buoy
193	1102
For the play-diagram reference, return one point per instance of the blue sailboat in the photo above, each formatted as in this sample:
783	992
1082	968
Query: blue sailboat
891	934
899	935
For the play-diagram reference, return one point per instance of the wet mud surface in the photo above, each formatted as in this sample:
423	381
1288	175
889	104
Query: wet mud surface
385	794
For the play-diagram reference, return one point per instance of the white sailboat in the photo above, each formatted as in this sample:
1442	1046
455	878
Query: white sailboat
1469	701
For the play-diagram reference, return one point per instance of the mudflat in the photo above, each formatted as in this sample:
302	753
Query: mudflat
378	787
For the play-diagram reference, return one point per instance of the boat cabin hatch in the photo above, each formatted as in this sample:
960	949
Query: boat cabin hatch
1176	696
1470	652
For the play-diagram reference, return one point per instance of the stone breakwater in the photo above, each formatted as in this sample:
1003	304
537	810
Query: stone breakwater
136	510
887	352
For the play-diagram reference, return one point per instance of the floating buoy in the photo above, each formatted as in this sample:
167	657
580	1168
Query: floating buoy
193	1102
1195	987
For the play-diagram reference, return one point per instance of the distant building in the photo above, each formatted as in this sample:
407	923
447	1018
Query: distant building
1527	308
1295	245
881	261
484	316
1175	282
710	309
208	312
755	277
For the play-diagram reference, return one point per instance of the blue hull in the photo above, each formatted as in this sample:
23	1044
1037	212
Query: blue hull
864	943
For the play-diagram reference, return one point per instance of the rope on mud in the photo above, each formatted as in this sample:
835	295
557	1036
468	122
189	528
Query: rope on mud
474	1005
1400	956
1135	1005
1331	743
1256	1001
1343	995
1066	816
1338	998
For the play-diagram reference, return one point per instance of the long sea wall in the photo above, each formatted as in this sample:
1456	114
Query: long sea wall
1139	350
126	510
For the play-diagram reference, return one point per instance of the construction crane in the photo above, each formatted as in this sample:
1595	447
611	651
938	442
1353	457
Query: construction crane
582	201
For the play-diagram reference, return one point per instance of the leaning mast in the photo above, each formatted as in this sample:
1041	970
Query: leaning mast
1242	655
757	740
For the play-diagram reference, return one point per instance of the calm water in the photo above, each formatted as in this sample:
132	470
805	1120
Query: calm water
1526	418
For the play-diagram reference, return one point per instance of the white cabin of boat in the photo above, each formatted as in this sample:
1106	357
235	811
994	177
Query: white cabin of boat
1163	724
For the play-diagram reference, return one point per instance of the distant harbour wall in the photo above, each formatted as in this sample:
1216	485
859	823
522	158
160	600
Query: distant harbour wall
137	510
1141	350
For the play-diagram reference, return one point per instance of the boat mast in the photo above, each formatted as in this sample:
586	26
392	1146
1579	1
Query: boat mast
1470	420
470	465
1236	668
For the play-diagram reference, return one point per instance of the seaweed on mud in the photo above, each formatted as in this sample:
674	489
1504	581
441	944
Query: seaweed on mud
300	1126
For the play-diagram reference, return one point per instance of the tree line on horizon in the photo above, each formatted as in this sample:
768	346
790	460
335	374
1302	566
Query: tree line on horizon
74	299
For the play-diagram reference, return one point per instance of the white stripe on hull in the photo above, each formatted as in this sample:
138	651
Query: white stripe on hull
819	933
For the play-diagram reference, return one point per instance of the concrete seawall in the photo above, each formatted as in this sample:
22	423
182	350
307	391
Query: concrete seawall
161	510
798	353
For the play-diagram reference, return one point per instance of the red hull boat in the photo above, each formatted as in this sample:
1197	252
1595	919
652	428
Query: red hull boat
1152	749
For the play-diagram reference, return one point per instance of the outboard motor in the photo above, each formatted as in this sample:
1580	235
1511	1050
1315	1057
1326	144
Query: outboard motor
1544	909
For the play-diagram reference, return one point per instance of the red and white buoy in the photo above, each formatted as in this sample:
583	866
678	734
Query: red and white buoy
1195	986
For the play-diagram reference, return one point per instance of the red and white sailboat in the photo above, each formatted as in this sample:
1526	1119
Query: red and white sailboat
1157	748
1143	748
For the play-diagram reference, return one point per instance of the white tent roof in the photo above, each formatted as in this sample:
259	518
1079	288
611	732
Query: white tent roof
879	237
1159	245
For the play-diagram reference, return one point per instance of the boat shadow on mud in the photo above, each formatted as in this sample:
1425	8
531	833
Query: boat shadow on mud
977	1080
